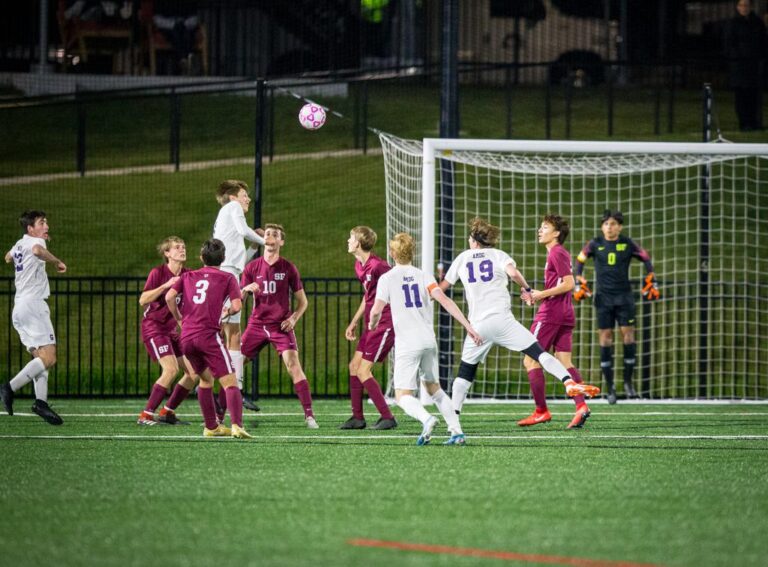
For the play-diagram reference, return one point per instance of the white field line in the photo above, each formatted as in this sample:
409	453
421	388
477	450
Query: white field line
390	436
169	168
473	414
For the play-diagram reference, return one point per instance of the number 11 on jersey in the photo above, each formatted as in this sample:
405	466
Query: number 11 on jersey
414	301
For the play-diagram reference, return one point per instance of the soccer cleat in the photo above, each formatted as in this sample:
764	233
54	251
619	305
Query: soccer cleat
353	423
220	431
383	424
426	431
457	439
312	422
249	404
574	389
629	390
6	394
580	417
42	409
611	395
168	417
240	433
146	418
535	418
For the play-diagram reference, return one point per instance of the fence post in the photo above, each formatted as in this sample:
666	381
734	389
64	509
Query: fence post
364	125
261	116
548	105
508	93
356	115
175	133
704	248
671	102
81	124
609	75
568	101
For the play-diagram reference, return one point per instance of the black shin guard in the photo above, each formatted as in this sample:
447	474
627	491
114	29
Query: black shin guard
467	371
606	364
630	353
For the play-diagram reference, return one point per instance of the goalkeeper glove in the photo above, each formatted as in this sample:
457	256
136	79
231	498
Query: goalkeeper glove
650	291
583	290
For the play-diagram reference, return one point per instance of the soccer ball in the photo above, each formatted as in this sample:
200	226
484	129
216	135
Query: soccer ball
311	116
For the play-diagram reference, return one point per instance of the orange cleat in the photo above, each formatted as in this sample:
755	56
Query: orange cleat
574	389
580	417
535	418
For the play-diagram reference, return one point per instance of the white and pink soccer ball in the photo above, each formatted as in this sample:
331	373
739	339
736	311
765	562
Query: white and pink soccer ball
312	116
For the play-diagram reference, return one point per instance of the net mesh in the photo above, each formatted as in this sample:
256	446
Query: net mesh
690	344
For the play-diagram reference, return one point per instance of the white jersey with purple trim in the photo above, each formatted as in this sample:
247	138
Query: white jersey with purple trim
407	291
230	227
486	284
31	279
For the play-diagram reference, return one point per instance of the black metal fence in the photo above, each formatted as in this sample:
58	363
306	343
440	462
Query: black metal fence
100	351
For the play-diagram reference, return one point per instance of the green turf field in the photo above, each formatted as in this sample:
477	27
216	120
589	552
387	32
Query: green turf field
642	484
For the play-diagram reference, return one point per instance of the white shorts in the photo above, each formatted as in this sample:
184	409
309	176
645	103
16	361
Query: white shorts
234	319
503	330
412	366
32	320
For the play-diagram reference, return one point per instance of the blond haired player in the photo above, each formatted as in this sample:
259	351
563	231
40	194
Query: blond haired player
485	271
373	346
409	293
231	228
161	338
31	317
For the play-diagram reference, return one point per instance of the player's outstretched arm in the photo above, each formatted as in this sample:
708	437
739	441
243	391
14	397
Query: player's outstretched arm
45	255
352	327
8	258
516	276
151	295
375	315
246	231
450	306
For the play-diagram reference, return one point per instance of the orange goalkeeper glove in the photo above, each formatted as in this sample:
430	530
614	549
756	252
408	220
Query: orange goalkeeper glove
583	290
650	291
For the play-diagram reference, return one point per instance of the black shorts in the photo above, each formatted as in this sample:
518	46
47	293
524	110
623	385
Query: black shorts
612	309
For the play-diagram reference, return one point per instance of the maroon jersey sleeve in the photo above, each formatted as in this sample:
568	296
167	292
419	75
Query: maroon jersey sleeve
179	285
294	279
561	262
153	280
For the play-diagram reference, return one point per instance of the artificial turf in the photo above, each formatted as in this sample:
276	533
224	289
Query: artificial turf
640	484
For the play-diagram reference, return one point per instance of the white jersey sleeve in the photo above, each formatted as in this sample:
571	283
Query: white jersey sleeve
231	229
407	290
31	280
483	274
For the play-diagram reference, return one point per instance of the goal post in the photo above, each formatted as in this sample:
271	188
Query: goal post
658	188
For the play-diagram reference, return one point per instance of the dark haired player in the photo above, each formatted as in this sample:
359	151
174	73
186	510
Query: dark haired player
554	321
271	279
613	300
31	317
205	292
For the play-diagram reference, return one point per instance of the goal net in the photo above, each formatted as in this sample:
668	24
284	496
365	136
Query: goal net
698	209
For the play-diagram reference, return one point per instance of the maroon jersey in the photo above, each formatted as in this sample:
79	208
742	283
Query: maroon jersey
273	303
157	319
204	292
369	274
558	308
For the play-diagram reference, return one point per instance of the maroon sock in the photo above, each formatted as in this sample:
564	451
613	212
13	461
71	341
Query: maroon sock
374	392
538	388
305	397
579	400
235	405
178	395
356	397
155	398
207	407
223	400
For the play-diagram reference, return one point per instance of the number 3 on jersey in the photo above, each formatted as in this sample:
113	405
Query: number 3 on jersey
414	301
201	293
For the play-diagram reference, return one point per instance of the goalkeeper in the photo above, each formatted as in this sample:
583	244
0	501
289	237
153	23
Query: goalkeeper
613	299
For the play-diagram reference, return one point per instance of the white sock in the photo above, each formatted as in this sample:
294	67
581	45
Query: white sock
237	362
412	406
41	386
445	406
27	374
459	391
553	366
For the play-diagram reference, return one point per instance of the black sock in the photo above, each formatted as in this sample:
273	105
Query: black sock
630	353
606	364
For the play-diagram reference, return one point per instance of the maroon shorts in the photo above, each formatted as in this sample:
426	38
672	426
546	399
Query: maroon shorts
207	351
258	335
553	335
375	345
163	345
